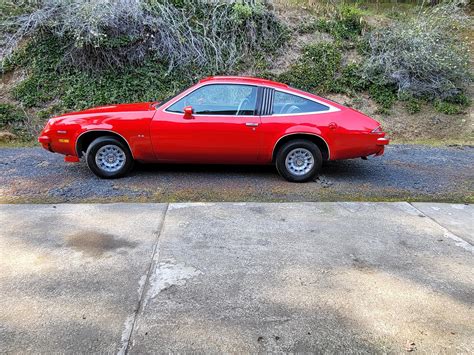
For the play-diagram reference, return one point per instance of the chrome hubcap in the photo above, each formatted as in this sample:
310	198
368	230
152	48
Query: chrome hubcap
299	161
110	158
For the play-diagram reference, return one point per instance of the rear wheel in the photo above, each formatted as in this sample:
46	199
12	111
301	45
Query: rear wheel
299	160
109	158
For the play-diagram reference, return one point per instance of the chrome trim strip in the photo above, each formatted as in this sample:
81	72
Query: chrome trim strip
272	98
264	103
294	133
103	130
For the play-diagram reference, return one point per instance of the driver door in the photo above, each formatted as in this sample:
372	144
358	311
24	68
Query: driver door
223	126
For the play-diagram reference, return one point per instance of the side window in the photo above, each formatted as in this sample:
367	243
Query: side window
284	103
219	99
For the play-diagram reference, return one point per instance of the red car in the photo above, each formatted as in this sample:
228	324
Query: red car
220	120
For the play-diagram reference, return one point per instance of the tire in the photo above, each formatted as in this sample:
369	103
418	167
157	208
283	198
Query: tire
109	158
299	160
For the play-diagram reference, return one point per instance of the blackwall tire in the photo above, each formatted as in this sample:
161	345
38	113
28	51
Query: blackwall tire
299	160
108	158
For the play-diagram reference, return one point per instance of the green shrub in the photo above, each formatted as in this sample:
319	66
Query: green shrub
459	99
413	106
9	115
384	96
447	108
9	8
14	119
244	11
316	69
422	56
452	106
348	24
350	80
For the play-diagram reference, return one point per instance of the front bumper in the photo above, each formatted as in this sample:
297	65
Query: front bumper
57	142
45	142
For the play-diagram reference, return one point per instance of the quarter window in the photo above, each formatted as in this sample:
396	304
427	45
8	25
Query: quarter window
219	99
284	103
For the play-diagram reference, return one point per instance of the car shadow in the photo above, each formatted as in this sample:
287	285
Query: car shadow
331	168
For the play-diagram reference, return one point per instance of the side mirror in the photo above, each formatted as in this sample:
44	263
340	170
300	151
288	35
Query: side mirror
188	112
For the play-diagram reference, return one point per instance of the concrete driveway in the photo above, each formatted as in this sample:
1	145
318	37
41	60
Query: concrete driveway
237	277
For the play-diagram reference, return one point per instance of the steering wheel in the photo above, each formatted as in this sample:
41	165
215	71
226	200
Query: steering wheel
284	108
242	103
294	109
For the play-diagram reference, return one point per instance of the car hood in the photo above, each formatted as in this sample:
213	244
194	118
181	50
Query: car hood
100	114
139	106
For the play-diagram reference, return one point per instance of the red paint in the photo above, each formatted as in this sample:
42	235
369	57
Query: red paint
71	159
155	135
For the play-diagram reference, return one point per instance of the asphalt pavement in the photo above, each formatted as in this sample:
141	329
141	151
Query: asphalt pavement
405	172
236	277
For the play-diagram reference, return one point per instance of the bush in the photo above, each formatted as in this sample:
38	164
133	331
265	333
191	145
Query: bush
9	114
347	24
14	119
413	106
98	34
316	68
452	105
421	57
350	80
384	96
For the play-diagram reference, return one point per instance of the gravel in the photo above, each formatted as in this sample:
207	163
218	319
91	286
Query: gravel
405	172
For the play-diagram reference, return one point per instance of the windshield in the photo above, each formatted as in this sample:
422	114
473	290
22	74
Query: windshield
165	100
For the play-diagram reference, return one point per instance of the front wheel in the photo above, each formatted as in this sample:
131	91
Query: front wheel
299	160
109	158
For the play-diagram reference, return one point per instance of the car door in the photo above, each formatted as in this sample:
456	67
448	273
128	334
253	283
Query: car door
223	126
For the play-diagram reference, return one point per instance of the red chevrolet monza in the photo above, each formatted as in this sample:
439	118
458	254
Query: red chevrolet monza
220	120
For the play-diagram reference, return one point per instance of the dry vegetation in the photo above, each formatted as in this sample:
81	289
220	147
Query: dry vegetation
408	66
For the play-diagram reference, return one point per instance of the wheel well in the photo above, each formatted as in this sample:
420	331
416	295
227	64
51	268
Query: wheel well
87	138
321	143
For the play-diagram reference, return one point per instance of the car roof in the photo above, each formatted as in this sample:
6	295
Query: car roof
244	80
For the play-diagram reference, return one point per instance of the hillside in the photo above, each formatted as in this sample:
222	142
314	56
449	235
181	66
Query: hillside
408	66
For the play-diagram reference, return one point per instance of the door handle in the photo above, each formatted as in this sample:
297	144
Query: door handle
251	124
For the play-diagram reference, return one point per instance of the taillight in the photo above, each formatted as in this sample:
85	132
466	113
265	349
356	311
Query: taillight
377	130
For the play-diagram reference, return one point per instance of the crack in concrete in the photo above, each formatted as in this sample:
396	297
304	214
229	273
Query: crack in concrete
458	241
130	322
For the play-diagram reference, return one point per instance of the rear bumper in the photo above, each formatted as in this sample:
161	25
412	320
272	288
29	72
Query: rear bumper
380	152
382	141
